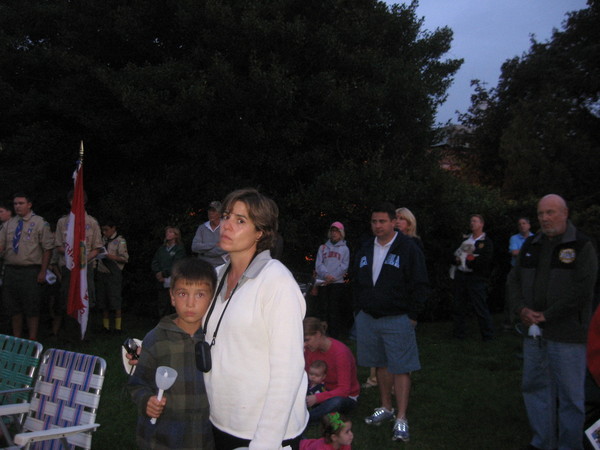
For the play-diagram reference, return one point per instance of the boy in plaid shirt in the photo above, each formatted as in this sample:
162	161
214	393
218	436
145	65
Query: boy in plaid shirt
183	414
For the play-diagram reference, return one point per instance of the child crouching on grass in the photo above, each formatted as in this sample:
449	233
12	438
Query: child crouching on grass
337	434
183	414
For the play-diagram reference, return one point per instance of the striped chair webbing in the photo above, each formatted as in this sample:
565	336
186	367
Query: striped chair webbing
18	360
72	362
67	376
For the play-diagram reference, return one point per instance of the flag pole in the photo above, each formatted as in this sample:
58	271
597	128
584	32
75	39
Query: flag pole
76	253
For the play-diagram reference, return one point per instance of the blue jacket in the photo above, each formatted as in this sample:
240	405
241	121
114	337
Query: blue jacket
402	286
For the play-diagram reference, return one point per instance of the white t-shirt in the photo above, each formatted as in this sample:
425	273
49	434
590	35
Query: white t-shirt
379	254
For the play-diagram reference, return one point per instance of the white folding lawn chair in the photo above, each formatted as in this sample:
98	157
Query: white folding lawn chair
64	402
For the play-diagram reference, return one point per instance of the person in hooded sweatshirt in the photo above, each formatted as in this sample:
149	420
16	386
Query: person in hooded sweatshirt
331	265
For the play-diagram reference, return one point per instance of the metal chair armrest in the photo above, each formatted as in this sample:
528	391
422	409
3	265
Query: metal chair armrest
23	439
15	408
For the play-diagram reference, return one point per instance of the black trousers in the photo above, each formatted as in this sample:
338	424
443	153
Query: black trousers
225	441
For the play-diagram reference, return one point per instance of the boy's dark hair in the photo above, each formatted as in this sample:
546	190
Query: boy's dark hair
71	194
109	223
385	207
319	364
22	195
194	270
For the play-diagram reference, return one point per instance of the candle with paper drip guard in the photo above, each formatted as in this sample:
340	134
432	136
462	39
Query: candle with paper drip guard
165	377
534	331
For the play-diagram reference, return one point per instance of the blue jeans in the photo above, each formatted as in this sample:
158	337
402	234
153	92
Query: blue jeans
335	404
553	391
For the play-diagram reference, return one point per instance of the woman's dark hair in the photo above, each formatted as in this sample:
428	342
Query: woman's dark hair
262	211
312	325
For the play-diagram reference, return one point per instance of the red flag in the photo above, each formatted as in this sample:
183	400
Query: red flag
76	254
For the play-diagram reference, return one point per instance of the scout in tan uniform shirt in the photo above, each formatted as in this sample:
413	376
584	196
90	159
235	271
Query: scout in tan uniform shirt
5	215
108	276
93	243
27	243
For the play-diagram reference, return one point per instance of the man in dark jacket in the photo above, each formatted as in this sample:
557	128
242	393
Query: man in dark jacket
553	286
474	266
391	287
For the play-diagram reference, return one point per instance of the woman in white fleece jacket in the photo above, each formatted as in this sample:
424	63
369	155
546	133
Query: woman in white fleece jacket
257	384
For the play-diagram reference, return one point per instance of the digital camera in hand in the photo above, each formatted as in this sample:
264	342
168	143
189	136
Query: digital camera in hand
131	347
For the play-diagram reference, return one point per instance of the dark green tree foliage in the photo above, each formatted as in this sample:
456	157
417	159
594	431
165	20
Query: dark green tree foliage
484	124
324	105
540	132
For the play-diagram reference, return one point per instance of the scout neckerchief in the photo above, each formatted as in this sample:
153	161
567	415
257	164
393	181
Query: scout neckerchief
17	236
109	263
110	239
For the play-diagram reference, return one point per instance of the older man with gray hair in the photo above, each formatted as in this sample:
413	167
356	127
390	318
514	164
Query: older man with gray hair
552	288
206	239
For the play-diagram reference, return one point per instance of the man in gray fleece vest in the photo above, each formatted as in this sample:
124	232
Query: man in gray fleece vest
206	239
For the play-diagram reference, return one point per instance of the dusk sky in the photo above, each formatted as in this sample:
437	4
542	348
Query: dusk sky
487	33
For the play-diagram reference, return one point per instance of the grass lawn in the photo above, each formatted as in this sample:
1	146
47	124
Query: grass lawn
467	395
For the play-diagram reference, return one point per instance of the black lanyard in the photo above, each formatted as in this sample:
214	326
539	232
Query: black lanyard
212	306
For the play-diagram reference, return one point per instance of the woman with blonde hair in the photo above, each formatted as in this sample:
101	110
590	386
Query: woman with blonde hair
406	222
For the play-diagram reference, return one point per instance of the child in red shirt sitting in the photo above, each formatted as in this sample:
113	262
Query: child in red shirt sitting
337	434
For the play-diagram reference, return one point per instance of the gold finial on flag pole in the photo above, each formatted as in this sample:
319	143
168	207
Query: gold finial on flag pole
81	152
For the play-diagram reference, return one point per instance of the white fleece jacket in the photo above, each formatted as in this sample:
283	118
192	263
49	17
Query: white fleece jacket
257	385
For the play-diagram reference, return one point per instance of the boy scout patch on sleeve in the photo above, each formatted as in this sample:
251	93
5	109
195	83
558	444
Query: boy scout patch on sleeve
363	262
567	255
